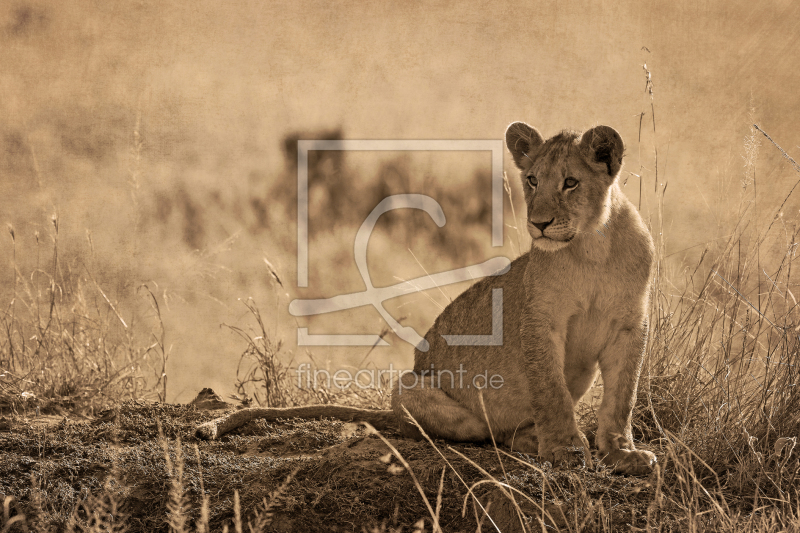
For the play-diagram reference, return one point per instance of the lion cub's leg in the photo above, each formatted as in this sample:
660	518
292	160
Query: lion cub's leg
437	413
620	363
543	344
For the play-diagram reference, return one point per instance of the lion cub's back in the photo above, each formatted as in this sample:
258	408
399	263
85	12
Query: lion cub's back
471	314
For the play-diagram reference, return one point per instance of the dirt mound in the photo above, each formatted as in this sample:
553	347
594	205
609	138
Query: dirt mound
340	477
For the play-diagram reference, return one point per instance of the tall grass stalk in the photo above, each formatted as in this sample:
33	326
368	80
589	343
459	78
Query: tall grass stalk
177	504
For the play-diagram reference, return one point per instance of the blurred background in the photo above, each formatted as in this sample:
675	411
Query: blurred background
162	135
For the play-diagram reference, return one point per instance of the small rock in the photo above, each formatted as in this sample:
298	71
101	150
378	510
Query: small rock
207	399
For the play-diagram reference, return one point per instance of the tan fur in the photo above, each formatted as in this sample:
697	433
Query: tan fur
575	304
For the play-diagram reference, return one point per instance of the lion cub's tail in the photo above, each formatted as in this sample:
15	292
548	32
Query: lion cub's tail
380	419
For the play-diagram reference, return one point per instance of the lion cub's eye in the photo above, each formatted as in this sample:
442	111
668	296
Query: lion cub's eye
570	183
532	181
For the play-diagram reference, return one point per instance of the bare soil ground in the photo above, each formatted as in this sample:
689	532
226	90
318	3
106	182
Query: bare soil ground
340	477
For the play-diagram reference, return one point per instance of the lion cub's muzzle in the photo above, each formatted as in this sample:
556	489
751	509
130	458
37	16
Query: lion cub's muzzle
548	236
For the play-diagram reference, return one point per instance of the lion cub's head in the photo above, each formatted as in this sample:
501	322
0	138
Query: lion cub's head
566	179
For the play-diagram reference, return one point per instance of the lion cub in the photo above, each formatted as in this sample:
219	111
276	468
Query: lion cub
575	304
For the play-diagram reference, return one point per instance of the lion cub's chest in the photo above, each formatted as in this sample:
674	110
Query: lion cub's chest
588	301
591	326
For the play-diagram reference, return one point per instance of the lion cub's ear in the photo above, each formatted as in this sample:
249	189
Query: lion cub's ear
521	139
604	145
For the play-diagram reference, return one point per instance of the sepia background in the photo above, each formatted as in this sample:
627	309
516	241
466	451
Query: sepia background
161	135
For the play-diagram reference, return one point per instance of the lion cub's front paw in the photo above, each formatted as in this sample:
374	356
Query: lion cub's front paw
573	452
631	462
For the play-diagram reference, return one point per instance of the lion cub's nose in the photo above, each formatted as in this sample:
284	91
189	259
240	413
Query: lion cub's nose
542	225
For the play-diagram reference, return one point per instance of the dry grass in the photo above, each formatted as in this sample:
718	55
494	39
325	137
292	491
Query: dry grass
64	343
